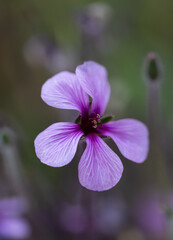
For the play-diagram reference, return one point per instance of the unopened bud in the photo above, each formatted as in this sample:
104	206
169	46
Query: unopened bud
7	137
153	67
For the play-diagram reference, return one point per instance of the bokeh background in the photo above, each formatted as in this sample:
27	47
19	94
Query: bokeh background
40	38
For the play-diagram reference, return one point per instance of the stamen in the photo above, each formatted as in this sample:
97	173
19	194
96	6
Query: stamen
89	123
94	122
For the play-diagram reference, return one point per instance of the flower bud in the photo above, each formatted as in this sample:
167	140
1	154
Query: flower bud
93	19
153	68
7	137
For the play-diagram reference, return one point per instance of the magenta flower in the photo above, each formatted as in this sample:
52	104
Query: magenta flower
99	167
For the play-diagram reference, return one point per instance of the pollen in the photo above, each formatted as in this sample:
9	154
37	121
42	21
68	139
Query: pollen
95	121
90	123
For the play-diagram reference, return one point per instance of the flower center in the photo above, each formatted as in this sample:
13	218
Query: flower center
95	120
89	123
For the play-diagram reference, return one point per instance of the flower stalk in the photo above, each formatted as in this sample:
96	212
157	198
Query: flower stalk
154	77
11	159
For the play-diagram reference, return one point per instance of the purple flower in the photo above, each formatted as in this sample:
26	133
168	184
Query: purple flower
12	224
99	167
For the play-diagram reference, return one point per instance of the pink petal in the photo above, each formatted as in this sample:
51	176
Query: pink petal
93	79
64	91
56	146
131	137
99	168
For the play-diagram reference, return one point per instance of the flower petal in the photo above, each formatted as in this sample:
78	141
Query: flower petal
56	145
99	168
93	79
64	91
131	137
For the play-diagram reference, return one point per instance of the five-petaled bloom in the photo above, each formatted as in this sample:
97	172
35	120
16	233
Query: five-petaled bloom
99	167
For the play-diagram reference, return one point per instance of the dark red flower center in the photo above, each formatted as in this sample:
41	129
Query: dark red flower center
89	123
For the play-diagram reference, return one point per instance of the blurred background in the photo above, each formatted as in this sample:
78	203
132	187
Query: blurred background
40	38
